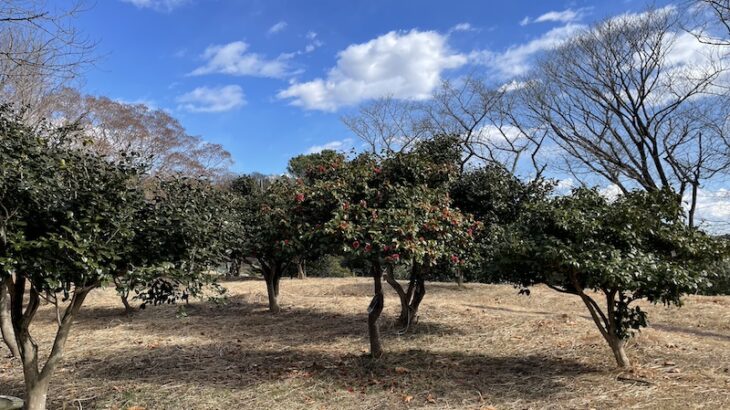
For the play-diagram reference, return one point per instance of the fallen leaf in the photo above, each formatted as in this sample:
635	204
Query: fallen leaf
431	398
407	399
136	408
402	370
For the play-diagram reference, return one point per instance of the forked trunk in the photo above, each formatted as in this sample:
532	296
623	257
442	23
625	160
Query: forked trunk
6	325
37	380
374	311
301	272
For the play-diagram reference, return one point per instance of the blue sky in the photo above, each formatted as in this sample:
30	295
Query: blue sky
271	79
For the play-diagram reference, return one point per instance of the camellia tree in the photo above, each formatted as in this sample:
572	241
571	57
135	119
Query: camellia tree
610	254
67	222
186	227
271	232
391	215
496	198
73	221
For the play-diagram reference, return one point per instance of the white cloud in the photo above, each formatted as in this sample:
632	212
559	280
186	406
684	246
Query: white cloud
517	59
713	209
404	65
462	27
158	5
565	16
280	26
212	99
341	145
233	59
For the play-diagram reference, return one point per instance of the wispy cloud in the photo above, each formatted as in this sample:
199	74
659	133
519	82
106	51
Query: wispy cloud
278	27
212	99
341	145
565	16
517	59
235	59
158	5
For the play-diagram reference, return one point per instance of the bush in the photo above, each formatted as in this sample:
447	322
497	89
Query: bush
329	266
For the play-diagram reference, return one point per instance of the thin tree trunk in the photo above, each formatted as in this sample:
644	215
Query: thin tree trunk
404	318
6	326
460	279
374	311
272	288
128	309
301	272
619	353
418	295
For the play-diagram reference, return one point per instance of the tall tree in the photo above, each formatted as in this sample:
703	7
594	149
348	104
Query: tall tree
40	51
624	105
158	138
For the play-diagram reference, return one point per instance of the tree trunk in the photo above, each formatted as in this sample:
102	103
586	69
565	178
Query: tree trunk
617	347
460	279
374	311
36	393
404	317
6	326
301	273
418	295
271	276
38	380
128	309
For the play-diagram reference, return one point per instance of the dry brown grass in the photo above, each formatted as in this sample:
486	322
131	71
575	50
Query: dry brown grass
474	348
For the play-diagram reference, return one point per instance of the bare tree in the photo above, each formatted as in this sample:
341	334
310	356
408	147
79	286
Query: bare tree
711	20
388	125
621	103
157	137
40	51
484	119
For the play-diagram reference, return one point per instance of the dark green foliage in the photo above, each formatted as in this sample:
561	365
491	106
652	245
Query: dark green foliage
636	247
329	266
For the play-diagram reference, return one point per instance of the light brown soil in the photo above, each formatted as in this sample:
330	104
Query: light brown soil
479	347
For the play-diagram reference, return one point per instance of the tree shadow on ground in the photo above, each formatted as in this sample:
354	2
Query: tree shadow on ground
240	318
447	375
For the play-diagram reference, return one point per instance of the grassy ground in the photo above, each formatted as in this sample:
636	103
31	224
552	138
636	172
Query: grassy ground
479	347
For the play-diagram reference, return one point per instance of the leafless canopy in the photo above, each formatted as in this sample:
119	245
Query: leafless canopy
621	104
711	20
484	119
157	137
40	50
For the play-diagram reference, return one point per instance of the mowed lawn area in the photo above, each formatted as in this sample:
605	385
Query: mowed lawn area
479	347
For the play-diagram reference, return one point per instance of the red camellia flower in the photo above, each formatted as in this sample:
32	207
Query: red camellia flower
395	256
470	232
345	206
368	247
355	244
321	168
299	198
454	259
377	170
386	248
